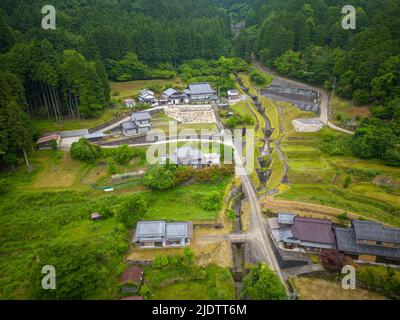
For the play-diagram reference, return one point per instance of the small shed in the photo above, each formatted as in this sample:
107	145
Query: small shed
95	216
129	103
286	218
45	143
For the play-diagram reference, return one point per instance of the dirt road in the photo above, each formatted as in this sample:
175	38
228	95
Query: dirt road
323	117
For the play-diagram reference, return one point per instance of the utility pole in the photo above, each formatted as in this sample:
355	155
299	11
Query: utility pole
330	99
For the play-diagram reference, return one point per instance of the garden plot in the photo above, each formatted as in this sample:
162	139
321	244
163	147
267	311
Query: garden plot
192	114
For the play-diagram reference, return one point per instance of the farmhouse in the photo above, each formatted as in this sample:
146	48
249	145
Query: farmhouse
188	156
369	241
147	96
307	234
46	142
140	123
201	92
157	234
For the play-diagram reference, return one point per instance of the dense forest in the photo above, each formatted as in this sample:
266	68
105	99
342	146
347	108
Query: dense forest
304	39
65	73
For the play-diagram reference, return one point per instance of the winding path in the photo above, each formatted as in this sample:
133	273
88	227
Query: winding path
323	117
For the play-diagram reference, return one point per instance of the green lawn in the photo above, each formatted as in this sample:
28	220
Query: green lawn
209	283
180	203
319	178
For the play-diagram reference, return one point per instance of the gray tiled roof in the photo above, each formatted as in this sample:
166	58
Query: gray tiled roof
200	88
129	125
346	242
369	230
286	218
169	92
141	116
159	230
177	229
150	229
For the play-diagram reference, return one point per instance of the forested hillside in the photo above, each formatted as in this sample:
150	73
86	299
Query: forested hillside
65	72
304	39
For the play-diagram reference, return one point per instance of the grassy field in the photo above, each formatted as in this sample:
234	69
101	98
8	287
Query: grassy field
180	203
317	177
320	289
341	107
52	202
208	283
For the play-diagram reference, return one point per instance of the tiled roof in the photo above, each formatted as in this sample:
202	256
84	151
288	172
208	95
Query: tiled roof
129	125
369	230
347	242
200	88
313	230
141	116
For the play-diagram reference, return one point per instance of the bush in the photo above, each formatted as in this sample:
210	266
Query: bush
257	78
210	201
334	261
261	283
122	155
177	261
159	178
131	210
380	279
86	152
347	182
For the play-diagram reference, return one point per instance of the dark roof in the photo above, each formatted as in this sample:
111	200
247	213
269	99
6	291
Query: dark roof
141	116
369	230
132	274
200	88
313	230
129	125
347	242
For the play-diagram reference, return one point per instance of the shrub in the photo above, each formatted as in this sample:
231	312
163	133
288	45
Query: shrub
122	155
131	210
380	279
209	201
261	283
347	182
257	78
84	151
159	178
333	260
